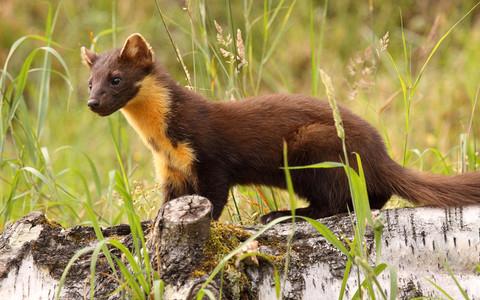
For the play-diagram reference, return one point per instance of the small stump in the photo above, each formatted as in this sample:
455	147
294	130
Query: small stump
180	230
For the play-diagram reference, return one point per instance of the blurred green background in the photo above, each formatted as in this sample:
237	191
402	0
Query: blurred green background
56	154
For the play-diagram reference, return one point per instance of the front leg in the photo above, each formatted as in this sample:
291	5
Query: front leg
215	188
175	184
212	185
173	189
215	193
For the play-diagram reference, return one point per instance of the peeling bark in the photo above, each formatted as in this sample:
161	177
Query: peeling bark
414	241
34	252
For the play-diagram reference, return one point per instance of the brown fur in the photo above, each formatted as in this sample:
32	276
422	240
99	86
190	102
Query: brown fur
205	148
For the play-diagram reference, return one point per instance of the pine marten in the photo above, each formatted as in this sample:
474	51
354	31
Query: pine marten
205	148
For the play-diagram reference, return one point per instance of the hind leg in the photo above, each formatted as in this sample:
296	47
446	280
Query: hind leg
325	189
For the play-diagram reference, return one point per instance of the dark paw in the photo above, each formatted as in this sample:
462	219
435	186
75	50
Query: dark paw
265	219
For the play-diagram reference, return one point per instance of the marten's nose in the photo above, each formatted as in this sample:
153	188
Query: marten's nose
93	103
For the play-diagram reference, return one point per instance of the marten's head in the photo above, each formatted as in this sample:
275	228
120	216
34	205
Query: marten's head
116	75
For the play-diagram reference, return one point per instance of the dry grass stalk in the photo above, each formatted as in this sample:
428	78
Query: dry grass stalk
361	68
225	45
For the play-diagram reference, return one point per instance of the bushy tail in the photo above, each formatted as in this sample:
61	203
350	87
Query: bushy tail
436	190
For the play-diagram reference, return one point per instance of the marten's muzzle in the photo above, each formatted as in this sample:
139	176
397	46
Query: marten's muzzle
93	104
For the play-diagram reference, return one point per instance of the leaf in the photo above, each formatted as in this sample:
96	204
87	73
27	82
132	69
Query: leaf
376	271
222	263
328	235
69	265
393	283
204	291
158	287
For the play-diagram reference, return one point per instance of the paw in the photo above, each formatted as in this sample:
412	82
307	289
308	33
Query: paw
265	219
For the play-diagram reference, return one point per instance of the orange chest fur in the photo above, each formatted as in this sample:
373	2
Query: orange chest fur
146	114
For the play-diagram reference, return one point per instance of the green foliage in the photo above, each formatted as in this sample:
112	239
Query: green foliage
68	158
141	280
58	157
409	88
22	155
230	255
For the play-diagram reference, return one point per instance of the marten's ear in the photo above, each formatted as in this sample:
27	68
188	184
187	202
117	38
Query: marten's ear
89	57
137	49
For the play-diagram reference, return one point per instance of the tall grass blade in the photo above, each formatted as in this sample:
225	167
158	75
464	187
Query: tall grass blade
393	283
378	225
121	184
69	265
13	49
91	164
346	274
116	144
134	264
6	211
171	40
114	23
438	288
207	292
129	284
405	51
237	209
288	178
224	261
293	207
464	294
45	79
278	32
316	53
43	178
158	288
100	246
415	85
100	238
375	272
407	107
328	235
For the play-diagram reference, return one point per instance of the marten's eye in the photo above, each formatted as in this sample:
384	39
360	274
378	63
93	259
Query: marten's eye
116	81
89	86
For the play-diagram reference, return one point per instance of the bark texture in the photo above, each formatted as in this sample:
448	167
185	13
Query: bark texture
34	252
179	233
414	241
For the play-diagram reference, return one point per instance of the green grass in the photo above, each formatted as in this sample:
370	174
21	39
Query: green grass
420	92
56	154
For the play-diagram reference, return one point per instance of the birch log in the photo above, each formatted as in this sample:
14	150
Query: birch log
414	241
34	252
